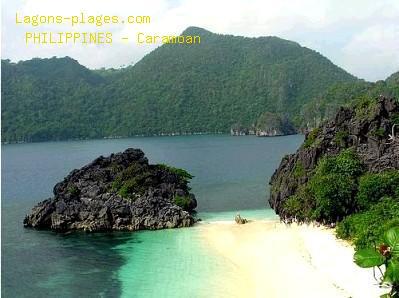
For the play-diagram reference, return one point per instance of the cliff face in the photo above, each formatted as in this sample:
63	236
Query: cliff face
267	125
270	125
367	128
119	192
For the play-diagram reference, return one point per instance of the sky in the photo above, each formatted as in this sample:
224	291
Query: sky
361	36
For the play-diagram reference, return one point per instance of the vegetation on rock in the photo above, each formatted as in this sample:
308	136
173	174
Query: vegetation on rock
119	192
330	189
345	173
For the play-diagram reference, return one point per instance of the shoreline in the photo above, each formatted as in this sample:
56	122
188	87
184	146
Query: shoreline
272	259
140	136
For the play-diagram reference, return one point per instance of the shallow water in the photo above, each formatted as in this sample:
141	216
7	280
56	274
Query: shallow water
231	175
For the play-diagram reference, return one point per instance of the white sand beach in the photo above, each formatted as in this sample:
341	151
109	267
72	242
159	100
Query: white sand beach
275	260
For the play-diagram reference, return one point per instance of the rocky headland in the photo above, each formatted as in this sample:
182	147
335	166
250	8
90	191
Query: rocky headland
267	125
370	128
119	192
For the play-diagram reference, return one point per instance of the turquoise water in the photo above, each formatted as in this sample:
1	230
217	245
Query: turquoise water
178	263
231	175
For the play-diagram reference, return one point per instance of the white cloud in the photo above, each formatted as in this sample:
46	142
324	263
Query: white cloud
336	28
374	51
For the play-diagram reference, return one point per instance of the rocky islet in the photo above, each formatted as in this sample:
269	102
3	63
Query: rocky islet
119	192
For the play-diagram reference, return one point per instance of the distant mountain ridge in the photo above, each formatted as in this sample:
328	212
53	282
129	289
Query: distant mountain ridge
223	82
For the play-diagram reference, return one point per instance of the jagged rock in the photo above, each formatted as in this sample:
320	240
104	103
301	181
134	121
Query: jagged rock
88	198
367	133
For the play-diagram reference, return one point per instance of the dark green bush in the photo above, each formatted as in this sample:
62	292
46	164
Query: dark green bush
183	174
300	205
372	187
379	132
341	137
333	196
73	190
334	184
311	138
366	229
182	201
132	181
136	179
395	118
346	163
299	170
329	194
365	107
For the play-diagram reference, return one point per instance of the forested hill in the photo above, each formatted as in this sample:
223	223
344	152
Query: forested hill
222	82
50	99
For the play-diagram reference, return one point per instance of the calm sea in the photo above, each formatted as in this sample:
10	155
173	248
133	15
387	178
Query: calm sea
231	174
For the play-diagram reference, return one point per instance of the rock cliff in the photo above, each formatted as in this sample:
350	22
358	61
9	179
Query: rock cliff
371	128
119	192
270	125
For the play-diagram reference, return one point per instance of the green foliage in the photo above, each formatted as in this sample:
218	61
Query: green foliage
299	170
174	89
368	257
311	138
365	107
50	99
341	137
379	132
129	189
391	238
329	194
73	190
325	105
395	119
348	163
333	185
182	201
137	178
333	196
365	229
373	187
183	174
179	89
392	273
387	255
301	205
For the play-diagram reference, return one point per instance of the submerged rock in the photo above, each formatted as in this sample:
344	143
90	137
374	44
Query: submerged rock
367	128
119	192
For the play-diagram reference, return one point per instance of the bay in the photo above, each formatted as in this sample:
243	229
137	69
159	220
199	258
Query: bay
231	174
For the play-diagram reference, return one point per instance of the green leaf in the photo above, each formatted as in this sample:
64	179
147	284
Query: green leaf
392	239
387	295
368	257
392	273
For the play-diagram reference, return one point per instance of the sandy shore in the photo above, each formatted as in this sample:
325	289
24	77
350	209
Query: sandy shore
275	260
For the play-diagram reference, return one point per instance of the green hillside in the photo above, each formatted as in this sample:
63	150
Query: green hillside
224	81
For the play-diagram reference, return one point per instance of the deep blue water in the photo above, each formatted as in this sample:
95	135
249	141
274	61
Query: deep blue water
231	174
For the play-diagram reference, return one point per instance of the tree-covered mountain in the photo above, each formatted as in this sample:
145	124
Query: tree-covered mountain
209	87
50	99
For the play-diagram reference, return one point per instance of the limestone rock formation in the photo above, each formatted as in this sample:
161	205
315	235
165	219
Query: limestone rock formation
271	125
119	192
366	127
